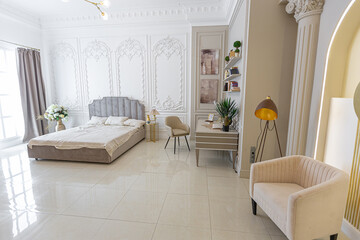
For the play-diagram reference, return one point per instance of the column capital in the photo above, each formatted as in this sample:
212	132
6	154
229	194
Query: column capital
304	8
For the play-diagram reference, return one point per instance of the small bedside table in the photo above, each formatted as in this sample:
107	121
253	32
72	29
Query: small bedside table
152	132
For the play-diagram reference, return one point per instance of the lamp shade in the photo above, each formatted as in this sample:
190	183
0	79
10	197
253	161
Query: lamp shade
267	110
154	112
357	101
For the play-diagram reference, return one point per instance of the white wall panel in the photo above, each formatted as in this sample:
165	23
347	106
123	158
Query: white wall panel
140	64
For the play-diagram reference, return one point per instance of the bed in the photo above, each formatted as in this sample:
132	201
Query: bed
82	144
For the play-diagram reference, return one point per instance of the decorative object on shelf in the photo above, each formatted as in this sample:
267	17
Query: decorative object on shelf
227	59
237	45
56	113
210	118
234	70
357	101
209	61
148	118
208	91
226	86
231	54
227	109
266	110
153	114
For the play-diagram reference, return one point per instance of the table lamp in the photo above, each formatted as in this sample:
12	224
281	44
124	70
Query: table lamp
154	112
266	110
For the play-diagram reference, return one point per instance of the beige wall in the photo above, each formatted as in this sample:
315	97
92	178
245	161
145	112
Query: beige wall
336	72
332	12
352	77
270	62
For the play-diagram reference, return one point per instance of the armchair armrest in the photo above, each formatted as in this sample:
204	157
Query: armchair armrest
317	210
185	127
279	170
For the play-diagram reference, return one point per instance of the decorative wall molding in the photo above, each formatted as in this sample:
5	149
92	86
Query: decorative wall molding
137	53
97	50
130	48
307	14
64	51
303	8
169	47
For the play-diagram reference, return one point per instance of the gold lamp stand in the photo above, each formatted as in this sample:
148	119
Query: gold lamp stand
267	111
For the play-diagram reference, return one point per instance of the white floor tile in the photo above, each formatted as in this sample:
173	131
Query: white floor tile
186	210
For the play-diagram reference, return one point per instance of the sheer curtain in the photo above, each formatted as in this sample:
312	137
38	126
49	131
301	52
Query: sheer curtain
32	92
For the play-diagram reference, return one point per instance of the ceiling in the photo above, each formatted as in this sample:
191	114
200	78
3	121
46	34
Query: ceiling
58	8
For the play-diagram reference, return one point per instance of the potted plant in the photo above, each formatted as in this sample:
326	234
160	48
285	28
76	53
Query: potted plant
237	45
227	110
227	59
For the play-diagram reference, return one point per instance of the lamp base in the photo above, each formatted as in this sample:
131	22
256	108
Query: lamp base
263	134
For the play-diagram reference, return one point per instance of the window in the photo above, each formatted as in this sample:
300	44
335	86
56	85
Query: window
11	117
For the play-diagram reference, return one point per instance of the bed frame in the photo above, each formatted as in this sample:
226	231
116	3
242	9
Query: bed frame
108	106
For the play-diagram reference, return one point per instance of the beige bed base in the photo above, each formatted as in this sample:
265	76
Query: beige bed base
84	154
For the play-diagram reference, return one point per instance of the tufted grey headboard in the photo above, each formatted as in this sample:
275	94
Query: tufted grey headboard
117	106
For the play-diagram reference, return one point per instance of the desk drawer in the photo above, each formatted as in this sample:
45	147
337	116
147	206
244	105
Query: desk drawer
226	135
216	140
216	146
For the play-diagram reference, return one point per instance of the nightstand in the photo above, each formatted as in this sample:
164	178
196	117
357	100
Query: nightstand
152	132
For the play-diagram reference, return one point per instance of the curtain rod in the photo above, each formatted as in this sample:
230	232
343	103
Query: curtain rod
20	45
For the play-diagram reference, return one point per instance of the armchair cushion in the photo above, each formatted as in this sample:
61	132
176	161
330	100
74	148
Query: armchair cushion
273	197
179	132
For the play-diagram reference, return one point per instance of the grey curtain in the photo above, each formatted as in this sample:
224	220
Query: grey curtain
32	92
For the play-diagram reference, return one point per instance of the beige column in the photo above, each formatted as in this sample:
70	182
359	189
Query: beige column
307	14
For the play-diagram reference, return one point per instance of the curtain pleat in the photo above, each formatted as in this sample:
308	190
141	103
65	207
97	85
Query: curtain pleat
32	92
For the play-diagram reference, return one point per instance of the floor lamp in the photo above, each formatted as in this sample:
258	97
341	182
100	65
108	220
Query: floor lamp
267	111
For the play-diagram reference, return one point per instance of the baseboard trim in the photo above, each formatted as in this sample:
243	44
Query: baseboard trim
349	230
245	173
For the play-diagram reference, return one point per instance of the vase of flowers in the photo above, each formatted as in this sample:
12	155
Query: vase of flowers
227	110
57	113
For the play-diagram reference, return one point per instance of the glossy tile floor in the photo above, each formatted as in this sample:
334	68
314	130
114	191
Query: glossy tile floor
148	193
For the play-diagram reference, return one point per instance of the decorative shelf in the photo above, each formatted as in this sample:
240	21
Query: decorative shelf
231	91
232	77
232	62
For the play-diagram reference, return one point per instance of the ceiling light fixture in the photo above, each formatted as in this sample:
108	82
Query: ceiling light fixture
98	5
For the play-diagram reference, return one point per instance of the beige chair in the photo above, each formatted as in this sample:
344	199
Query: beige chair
176	129
304	197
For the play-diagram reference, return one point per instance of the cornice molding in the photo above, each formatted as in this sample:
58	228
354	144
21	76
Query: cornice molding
19	15
181	13
304	8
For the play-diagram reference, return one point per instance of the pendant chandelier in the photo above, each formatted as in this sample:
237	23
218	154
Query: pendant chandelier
99	5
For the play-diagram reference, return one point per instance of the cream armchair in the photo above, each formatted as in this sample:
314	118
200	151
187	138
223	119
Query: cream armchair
176	129
305	198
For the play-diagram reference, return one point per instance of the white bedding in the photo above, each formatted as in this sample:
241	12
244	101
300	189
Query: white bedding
108	137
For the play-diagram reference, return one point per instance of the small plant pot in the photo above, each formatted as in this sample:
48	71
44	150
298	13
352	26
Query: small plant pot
225	128
237	54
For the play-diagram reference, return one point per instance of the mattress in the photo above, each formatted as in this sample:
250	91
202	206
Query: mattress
108	137
87	144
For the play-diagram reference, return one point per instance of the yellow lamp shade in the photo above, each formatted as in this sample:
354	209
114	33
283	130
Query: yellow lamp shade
267	110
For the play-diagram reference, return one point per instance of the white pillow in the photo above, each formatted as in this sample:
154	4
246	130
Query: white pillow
116	120
134	123
95	120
